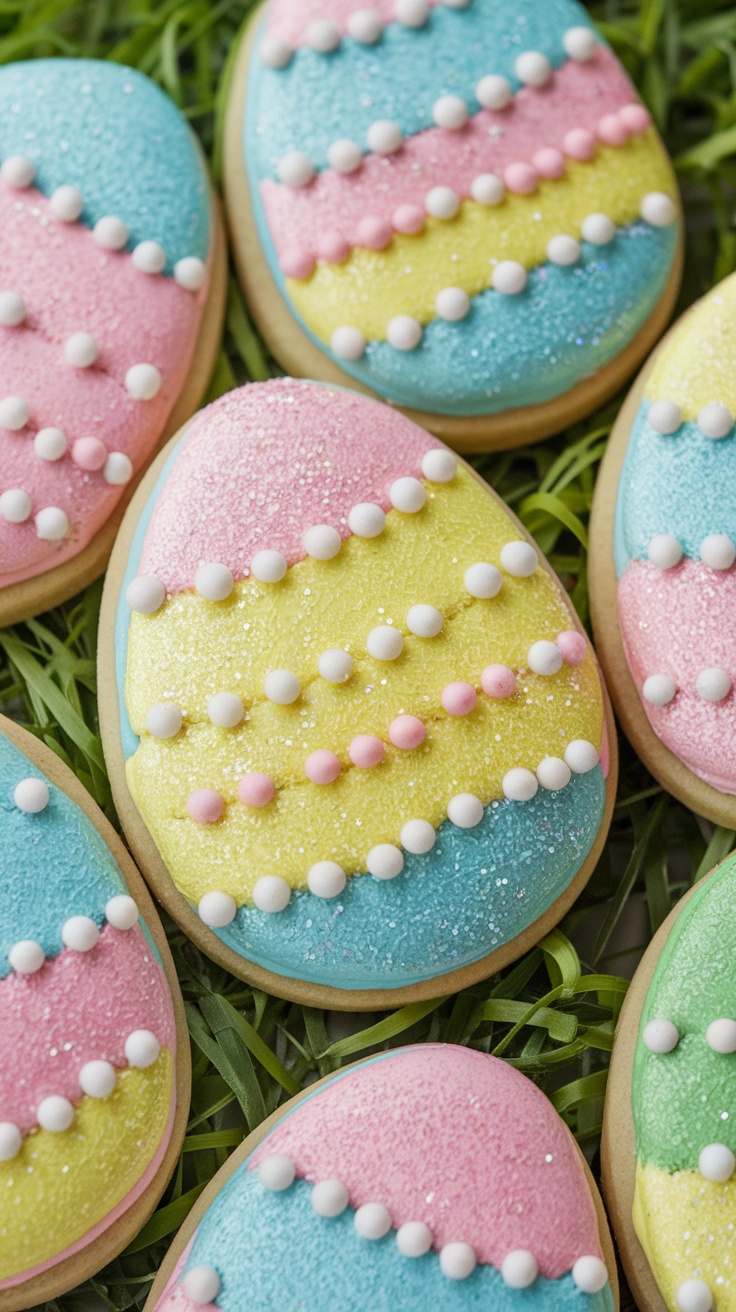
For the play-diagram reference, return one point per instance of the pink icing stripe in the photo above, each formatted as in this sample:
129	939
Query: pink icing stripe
70	284
309	219
679	622
460	1141
174	1298
80	1006
263	464
290	21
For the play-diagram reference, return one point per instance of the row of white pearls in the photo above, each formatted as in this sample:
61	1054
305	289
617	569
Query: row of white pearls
712	685
717	551
364	26
715	420
78	933
97	1079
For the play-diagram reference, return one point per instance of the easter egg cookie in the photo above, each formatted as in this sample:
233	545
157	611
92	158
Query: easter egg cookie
356	737
670	1127
94	1058
112	285
662	560
461	207
429	1177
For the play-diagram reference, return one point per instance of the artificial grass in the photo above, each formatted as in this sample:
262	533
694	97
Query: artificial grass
549	1015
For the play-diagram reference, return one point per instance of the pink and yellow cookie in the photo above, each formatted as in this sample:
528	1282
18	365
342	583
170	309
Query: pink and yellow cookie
462	208
429	1177
94	1058
111	294
357	738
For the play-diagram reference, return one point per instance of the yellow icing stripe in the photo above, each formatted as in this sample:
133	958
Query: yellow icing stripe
698	364
60	1186
687	1228
371	287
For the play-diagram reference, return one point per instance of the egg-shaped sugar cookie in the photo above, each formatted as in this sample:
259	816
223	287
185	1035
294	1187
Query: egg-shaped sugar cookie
112	286
357	739
669	1135
94	1057
462	208
663	546
428	1177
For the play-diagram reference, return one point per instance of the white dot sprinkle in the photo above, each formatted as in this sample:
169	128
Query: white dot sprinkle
345	156
348	343
509	277
201	1284
694	1296
664	417
580	43
164	720
323	35
336	665
450	112
329	1198
281	687
458	1261
365	26
14	413
214	581
407	495
519	559
322	542
544	658
372	1221
385	643
142	1049
664	551
326	879
149	257
295	169
110	232
452	304
190	273
412	13
121	912
80	934
268	566
439	465
533	68
483	580
424	621
589	1273
26	957
15	505
385	861
519	785
442	202
18	172
52	524
465	810
276	1172
67	204
487	189
553	773
11	1141
145	594
12	309
493	91
659	689
97	1079
717	551
519	1269
55	1114
403	332
366	520
118	469
660	1036
715	420
217	909
581	756
598	229
80	350
50	443
143	382
721	1035
413	1239
658	209
713	684
274	52
418	836
716	1162
31	796
563	250
384	137
225	710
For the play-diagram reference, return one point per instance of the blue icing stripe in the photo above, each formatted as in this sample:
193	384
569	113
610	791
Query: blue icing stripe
318	99
476	889
684	484
114	135
272	1251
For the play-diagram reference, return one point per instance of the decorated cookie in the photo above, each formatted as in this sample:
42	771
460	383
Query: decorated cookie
357	741
94	1086
430	1177
664	545
670	1129
111	292
458	205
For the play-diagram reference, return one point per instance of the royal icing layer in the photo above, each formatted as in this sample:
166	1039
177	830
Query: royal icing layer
408	1182
674	541
357	733
87	1034
103	279
682	1099
434	186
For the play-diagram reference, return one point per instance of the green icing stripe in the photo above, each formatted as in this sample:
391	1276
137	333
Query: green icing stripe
686	1099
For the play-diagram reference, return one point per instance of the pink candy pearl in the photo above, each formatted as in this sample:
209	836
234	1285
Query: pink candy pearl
256	789
409	218
635	117
612	130
549	163
89	453
297	262
366	750
579	144
205	806
521	178
374	232
333	247
322	767
498	681
573	646
459	698
407	732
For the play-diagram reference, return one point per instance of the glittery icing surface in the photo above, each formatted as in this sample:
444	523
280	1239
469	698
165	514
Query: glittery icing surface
431	1135
685	1099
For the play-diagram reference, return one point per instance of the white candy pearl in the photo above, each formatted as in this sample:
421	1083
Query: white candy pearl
519	1269
385	861
217	909
589	1273
664	551
365	26
424	621
483	580
11	1140
509	277
348	343
52	524
26	957
268	566
149	257
118	469
142	1049
145	594
164	720
190	273
281	687
67	204
450	112
407	495
15	505
553	773
721	1035
274	52
519	559
658	209
664	417
403	332
465	810
214	581
580	43
80	934
326	879
519	785
201	1284
442	202
716	1162
715	420
533	68
12	309
110	232
385	643
143	382
493	91
121	912
581	756
295	169
598	229
717	551
31	796
276	1172
322	542
323	35
418	836
713	685
660	1036
694	1296
80	350
659	689
271	893
366	520
439	465
50	443
384	137
413	1239
544	658
18	172
487	189
329	1198
458	1261
55	1114
412	13
345	156
97	1079
372	1221
563	250
336	665
452	303
225	709
14	413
